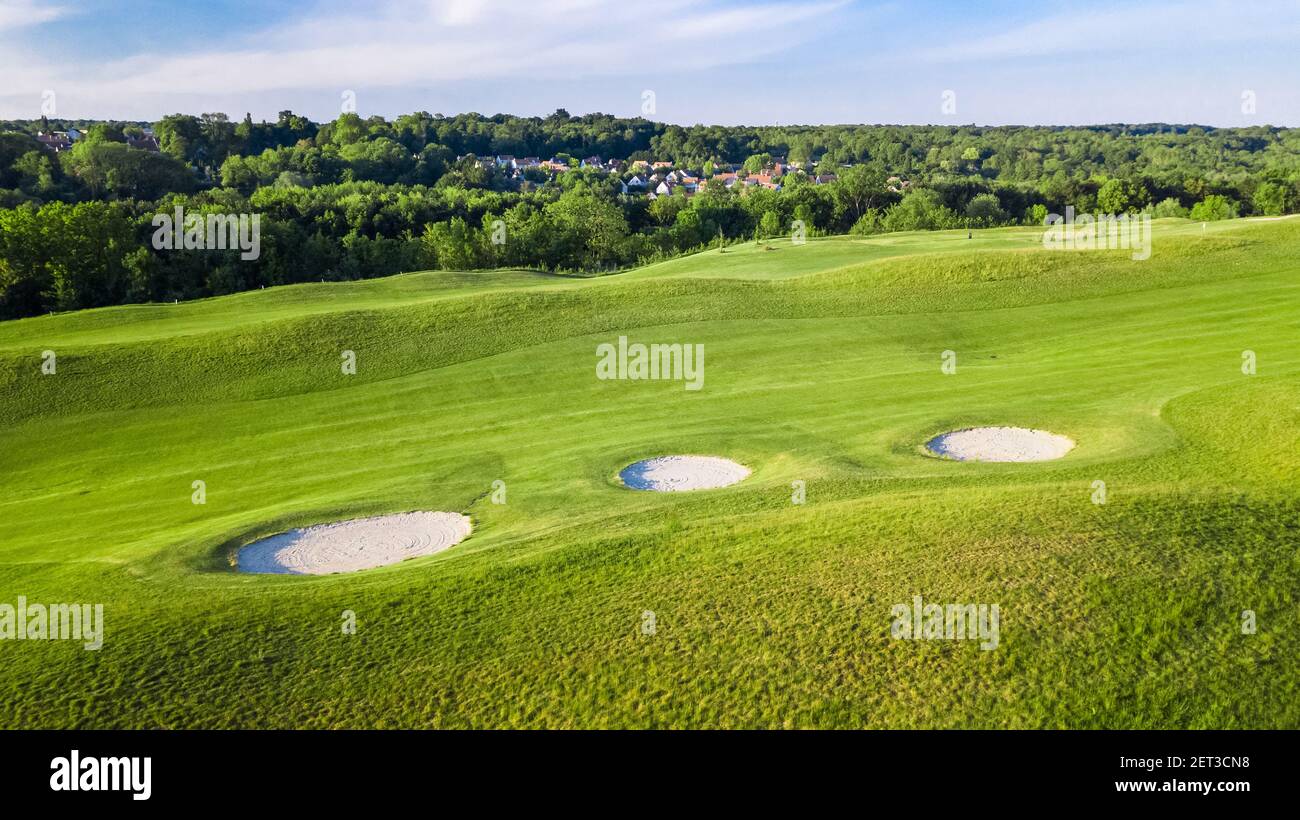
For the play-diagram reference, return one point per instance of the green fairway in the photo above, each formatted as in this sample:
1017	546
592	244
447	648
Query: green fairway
823	366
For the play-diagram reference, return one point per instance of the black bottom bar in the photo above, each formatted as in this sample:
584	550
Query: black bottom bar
333	769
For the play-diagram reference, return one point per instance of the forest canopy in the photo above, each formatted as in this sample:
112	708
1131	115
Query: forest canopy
361	197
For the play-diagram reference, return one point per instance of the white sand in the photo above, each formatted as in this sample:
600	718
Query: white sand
1000	444
352	545
669	474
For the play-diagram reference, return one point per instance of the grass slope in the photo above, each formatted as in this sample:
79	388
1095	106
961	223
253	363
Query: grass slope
822	366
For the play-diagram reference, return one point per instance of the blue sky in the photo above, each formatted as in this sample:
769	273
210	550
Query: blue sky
709	61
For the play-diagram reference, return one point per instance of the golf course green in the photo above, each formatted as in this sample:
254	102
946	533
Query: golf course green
1150	578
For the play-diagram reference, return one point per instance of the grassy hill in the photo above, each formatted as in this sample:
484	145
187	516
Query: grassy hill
822	366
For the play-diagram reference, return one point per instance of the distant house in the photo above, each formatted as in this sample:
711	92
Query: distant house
555	164
55	141
506	161
636	182
897	184
822	179
144	143
75	134
528	162
665	188
593	162
661	164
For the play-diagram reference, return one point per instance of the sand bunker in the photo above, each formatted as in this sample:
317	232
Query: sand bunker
1000	444
352	545
669	474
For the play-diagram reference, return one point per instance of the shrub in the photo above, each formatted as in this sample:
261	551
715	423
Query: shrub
921	210
869	223
1169	207
985	211
1215	207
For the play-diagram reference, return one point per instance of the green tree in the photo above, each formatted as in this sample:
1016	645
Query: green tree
218	138
769	225
757	162
858	189
985	210
596	227
921	209
1270	199
12	148
381	160
454	244
664	209
349	128
103	132
115	170
1169	207
1118	196
180	137
36	172
870	223
1213	208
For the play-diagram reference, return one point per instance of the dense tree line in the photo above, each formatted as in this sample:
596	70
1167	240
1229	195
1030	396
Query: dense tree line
360	197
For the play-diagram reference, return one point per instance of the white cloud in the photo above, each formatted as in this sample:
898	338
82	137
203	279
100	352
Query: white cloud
397	44
1094	28
16	14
